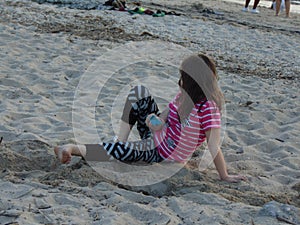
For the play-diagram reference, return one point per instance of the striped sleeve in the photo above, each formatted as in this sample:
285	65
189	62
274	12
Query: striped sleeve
210	116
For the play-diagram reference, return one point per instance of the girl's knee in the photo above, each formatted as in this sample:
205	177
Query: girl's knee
140	92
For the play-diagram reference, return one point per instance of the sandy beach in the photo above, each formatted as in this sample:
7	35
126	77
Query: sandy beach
65	73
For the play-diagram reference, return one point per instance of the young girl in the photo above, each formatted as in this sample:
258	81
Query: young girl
173	135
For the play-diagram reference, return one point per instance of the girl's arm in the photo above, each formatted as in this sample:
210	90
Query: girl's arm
213	141
164	114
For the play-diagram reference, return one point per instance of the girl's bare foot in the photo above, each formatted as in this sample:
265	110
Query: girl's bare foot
64	153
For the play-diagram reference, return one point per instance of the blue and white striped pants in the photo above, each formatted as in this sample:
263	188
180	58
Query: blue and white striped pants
139	104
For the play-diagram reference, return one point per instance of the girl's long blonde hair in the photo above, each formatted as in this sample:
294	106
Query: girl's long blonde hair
198	81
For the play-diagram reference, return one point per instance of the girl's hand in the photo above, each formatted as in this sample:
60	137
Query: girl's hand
235	178
154	122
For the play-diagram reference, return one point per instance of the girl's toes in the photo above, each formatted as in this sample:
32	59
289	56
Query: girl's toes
63	154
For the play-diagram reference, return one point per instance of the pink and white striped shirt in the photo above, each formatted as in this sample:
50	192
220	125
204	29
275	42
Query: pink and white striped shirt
177	141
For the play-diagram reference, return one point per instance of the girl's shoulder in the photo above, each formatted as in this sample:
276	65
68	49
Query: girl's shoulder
175	100
177	96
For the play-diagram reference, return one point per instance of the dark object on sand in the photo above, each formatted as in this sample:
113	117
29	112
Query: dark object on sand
115	3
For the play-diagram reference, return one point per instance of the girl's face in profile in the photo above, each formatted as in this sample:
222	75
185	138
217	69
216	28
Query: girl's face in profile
180	82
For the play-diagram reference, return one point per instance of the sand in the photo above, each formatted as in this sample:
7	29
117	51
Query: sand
65	69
